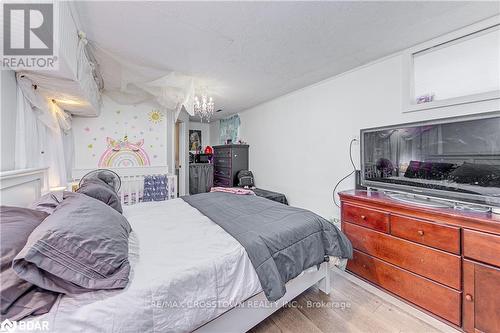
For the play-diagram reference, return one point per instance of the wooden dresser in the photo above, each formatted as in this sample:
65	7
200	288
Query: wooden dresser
444	261
228	160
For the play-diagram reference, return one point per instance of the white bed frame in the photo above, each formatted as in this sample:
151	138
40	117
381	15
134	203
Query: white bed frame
21	187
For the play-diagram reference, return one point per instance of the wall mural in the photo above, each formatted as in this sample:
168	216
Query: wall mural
122	136
123	153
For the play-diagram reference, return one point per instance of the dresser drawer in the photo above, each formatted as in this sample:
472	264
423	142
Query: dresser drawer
482	247
366	217
222	172
222	152
439	236
224	162
438	299
222	182
434	264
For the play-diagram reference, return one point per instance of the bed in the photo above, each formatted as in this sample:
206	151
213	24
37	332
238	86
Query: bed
187	274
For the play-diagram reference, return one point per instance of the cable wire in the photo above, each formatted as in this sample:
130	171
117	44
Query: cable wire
347	176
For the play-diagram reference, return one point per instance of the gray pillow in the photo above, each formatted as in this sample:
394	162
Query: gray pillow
98	189
19	298
81	246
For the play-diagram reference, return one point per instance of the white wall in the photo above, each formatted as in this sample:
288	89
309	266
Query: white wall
214	133
299	142
183	118
116	121
205	131
8	118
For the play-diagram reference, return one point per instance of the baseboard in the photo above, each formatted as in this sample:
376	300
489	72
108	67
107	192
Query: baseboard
439	325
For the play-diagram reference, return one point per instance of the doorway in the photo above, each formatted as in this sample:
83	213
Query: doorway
180	156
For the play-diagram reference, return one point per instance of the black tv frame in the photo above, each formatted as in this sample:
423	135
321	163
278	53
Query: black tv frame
456	197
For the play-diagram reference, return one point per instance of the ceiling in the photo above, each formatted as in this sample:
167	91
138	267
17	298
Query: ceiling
252	52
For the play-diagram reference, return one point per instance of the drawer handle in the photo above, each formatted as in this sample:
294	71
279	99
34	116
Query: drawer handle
468	297
420	232
363	217
364	266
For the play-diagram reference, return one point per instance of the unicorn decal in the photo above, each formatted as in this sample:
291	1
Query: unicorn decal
123	153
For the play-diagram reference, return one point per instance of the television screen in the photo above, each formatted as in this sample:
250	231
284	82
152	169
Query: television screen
455	159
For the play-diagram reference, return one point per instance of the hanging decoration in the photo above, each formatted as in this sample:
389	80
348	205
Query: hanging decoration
204	107
131	84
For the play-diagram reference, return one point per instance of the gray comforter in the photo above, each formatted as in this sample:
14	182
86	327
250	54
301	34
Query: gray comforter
281	241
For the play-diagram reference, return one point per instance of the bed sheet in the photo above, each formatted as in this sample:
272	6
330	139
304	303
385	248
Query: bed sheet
186	270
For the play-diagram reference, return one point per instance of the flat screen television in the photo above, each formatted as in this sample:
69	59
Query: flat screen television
455	159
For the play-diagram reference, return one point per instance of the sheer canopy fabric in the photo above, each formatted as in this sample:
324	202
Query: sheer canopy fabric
131	83
78	93
43	129
43	133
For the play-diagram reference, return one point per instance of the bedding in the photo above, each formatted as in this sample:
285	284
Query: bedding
185	271
100	190
281	241
270	195
81	246
19	298
48	202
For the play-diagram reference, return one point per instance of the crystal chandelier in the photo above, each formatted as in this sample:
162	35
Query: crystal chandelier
204	107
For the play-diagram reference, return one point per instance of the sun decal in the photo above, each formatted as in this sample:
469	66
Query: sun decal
155	116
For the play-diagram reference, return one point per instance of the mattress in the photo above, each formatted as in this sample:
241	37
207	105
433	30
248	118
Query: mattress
186	271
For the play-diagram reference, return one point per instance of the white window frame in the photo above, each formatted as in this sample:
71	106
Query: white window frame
409	104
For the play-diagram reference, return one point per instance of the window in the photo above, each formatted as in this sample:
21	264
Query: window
463	67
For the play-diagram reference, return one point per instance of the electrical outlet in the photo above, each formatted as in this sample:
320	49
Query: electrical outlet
356	138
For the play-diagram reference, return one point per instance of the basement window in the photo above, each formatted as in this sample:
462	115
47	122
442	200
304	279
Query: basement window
460	68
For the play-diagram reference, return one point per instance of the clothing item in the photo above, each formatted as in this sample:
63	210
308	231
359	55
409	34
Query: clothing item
155	188
233	190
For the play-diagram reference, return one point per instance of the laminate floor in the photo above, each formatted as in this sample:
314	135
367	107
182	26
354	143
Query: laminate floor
352	306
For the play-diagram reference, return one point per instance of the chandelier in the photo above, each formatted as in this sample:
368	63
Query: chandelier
204	107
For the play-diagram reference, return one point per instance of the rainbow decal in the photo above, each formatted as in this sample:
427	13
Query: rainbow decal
123	153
